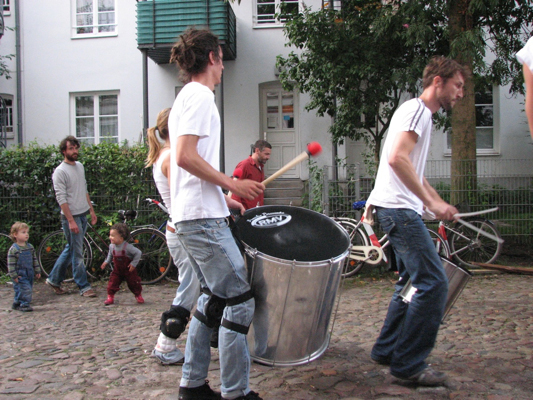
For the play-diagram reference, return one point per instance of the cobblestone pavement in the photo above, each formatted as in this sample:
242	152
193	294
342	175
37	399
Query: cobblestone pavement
75	348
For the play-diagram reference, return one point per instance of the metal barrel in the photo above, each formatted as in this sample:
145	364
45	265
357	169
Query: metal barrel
294	258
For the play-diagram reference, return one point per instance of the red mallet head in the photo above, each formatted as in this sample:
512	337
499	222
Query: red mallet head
314	148
237	173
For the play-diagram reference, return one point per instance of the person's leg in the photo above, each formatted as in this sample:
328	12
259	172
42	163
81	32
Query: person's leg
57	275
78	266
113	286
415	331
189	288
133	281
212	246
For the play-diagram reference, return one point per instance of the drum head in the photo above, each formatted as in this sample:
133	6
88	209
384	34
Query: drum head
292	233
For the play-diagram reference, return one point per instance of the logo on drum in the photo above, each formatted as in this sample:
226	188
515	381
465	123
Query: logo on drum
270	220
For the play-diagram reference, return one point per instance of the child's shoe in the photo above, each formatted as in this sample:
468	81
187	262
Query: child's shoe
110	300
25	308
139	299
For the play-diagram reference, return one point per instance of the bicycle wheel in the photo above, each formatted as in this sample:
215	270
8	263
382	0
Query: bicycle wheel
440	244
5	244
468	246
51	248
357	238
155	261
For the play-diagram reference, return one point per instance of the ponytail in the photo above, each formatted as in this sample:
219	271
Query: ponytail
154	144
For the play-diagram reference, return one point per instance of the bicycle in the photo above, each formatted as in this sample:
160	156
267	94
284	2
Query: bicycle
153	266
472	240
362	234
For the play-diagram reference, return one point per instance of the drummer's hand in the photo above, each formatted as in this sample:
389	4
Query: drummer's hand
247	188
443	210
234	204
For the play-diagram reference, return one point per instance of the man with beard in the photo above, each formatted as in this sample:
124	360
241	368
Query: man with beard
254	168
71	194
400	195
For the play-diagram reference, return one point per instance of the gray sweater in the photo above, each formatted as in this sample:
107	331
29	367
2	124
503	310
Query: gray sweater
71	188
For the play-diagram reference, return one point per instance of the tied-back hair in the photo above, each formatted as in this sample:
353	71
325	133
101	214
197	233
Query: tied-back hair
191	52
154	144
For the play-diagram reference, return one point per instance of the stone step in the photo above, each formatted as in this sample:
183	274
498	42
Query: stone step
284	201
279	192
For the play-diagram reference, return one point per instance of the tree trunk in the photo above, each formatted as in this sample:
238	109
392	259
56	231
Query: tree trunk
464	169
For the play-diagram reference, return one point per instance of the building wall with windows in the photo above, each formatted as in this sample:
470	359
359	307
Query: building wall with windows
81	73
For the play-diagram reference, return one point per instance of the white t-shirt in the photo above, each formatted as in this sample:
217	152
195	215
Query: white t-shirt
389	191
195	113
525	56
161	181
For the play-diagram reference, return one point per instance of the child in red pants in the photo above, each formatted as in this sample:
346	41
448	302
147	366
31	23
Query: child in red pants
125	258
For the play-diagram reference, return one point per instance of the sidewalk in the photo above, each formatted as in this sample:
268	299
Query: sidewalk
75	348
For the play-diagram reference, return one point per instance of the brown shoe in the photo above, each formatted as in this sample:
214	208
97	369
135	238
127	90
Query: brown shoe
89	293
56	289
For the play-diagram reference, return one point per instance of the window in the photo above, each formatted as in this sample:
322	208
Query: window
6	7
487	139
266	10
96	117
94	18
6	115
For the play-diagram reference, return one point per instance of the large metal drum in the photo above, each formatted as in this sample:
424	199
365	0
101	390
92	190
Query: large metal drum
457	276
294	258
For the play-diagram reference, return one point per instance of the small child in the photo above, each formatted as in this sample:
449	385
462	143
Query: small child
22	266
125	258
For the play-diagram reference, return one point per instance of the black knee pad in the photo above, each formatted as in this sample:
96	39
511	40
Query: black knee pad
174	321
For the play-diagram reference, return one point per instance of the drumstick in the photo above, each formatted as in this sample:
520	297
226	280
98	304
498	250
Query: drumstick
313	149
481	232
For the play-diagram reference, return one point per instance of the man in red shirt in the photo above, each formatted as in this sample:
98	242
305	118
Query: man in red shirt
254	168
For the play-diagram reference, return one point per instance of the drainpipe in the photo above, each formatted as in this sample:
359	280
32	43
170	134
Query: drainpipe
19	73
146	120
222	137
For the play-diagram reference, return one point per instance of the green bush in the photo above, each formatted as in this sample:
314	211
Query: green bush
116	179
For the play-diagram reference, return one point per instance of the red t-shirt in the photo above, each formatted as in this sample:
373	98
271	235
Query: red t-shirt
251	170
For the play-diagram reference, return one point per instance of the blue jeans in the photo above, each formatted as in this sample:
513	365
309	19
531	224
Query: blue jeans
410	329
189	288
72	254
219	265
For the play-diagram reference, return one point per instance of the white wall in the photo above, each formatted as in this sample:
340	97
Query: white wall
9	86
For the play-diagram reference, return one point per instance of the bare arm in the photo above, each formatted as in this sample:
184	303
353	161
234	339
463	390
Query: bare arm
528	78
403	167
91	210
188	158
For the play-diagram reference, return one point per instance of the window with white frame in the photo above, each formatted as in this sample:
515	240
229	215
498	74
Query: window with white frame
6	6
6	115
269	13
95	117
486	125
94	18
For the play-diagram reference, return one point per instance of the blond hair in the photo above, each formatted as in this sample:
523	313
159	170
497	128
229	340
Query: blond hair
154	144
15	228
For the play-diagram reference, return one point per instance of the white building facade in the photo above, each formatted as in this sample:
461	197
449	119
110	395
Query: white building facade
81	73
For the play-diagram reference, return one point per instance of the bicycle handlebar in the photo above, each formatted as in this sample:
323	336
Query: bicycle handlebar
157	203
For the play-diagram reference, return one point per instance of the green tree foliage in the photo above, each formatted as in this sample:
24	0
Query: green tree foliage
359	63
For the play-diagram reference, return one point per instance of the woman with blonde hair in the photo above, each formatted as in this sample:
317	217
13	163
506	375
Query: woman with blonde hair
175	319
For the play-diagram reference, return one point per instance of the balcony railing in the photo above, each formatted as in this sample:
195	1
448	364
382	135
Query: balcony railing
160	22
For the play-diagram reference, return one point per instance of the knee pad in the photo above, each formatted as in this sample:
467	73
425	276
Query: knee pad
174	321
214	309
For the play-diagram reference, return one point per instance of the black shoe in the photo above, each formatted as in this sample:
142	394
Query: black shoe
381	360
203	392
25	308
15	306
250	396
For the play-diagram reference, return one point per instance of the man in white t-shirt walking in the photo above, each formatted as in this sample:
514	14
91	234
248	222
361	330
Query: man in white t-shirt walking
400	194
200	213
